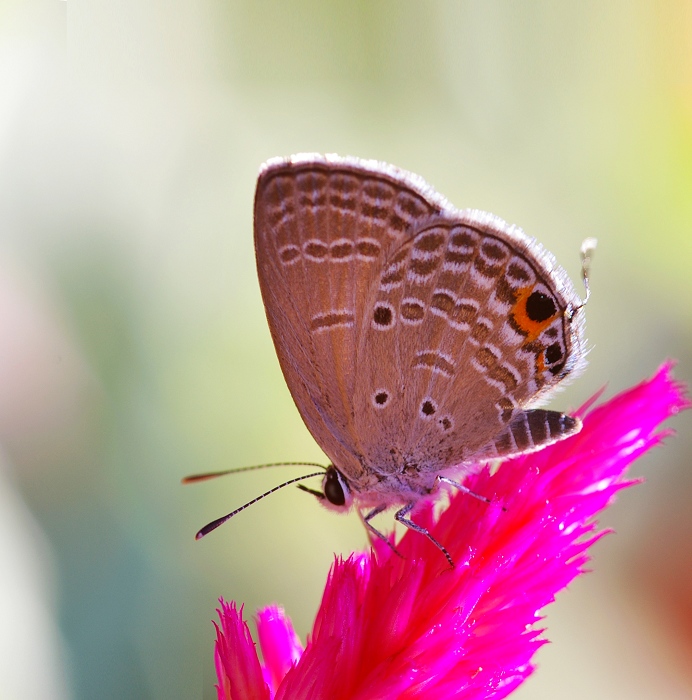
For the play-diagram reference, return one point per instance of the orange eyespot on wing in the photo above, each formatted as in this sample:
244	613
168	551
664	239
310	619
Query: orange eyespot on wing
533	312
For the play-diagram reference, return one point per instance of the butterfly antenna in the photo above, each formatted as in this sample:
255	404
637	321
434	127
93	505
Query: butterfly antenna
193	478
220	521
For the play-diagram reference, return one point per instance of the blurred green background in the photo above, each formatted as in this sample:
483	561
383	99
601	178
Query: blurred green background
133	343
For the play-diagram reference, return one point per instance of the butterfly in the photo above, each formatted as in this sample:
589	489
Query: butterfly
416	339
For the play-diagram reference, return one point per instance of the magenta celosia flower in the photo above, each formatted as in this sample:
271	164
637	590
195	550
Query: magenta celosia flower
411	627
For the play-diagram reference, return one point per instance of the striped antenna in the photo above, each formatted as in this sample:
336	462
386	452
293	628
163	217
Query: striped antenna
220	521
194	478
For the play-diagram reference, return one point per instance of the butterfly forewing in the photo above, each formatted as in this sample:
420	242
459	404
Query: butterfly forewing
323	229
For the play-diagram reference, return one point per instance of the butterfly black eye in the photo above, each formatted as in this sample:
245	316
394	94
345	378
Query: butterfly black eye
334	487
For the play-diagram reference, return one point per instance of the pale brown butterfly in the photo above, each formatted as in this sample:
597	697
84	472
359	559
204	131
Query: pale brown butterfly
416	338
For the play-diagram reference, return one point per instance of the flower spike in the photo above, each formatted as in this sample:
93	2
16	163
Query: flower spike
410	627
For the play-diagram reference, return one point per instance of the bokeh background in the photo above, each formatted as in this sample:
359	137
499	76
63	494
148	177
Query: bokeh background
133	343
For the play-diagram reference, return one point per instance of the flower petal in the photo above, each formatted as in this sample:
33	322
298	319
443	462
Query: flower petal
238	669
280	645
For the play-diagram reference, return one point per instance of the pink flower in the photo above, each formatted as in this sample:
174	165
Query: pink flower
411	627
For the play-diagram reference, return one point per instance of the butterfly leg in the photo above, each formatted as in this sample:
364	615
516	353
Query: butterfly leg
462	488
466	490
401	514
373	531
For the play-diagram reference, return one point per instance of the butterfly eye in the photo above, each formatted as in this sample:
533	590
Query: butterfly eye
335	488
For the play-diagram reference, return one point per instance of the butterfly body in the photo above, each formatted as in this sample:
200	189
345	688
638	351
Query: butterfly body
416	339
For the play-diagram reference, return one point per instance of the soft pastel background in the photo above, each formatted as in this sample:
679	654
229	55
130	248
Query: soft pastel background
133	344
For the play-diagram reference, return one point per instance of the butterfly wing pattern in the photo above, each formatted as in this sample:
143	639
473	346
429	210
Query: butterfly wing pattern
323	230
415	338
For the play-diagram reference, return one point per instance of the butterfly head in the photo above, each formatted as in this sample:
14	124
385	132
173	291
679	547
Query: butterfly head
337	493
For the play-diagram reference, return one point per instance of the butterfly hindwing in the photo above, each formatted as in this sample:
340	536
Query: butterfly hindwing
465	330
